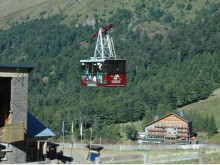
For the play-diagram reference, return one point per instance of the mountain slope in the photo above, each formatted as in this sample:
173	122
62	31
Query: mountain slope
209	106
17	11
172	63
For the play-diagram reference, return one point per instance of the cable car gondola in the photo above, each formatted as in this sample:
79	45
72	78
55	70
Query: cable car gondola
103	70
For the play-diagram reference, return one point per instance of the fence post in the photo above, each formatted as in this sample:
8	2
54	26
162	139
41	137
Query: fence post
145	159
202	155
97	160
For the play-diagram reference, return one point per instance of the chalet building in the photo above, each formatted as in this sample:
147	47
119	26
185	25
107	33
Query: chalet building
173	128
23	138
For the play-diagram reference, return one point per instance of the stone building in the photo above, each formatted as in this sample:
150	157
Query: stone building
16	127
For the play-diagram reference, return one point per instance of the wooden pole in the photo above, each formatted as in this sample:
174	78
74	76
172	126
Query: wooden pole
72	141
63	133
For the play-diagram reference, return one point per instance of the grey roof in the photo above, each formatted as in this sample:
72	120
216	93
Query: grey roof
37	129
16	68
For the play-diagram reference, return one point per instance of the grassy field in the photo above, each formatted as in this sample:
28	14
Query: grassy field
211	156
208	106
17	11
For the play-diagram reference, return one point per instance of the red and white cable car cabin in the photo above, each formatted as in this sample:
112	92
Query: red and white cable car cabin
103	70
110	73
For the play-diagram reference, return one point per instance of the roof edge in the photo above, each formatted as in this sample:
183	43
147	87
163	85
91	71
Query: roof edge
173	113
16	68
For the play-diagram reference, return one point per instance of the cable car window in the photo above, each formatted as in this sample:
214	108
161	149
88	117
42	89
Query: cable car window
83	68
97	67
116	66
111	66
120	66
105	67
86	68
94	67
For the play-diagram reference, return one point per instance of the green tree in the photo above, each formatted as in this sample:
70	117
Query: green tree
148	117
131	132
205	123
212	128
189	6
169	3
111	133
168	17
180	5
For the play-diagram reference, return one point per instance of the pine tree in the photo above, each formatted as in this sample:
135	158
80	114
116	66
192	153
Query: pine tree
212	128
148	117
131	132
206	123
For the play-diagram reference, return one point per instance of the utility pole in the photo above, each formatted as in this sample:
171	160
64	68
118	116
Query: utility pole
62	129
100	140
81	133
72	141
90	144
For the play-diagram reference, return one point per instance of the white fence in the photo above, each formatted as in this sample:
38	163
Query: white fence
144	157
142	147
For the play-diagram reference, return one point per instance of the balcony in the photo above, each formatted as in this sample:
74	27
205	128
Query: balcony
156	134
156	130
182	131
182	135
167	125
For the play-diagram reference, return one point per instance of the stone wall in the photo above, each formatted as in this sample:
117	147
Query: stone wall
18	106
19	98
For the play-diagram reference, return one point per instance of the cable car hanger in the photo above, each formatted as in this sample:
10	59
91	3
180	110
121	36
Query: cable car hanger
103	69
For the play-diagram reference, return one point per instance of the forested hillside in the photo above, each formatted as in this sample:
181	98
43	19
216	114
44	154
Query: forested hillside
167	68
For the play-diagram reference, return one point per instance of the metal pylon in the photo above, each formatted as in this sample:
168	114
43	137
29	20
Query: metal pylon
104	46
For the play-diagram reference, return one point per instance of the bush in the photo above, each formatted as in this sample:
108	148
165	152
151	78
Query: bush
169	4
180	5
111	133
168	17
189	6
131	132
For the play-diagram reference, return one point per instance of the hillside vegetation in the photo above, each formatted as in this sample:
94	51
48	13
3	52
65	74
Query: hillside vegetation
18	11
171	48
209	106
